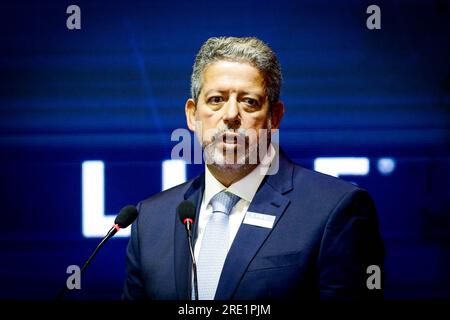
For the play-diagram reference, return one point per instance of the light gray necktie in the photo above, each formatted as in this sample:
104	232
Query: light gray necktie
215	243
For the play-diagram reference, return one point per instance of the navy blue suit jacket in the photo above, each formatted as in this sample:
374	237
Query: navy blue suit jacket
324	237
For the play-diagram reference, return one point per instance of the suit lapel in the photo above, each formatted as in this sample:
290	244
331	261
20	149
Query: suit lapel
182	259
268	200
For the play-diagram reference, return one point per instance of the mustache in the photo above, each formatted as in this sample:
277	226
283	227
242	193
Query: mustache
220	134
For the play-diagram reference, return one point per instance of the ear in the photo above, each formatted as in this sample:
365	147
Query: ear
277	114
190	109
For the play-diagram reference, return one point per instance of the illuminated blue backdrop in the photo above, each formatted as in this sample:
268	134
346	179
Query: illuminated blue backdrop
114	91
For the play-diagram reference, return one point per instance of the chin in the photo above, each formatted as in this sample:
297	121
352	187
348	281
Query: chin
217	158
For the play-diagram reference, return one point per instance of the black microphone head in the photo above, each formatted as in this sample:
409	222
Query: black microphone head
126	216
186	210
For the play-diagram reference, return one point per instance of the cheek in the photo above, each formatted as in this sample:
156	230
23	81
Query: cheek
255	121
208	123
206	115
258	123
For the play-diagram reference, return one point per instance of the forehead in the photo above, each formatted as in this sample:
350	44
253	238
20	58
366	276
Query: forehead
230	75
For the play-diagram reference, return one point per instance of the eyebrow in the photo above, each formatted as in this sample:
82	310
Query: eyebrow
214	90
260	97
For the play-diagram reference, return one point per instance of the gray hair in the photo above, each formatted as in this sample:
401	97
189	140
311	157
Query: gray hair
250	50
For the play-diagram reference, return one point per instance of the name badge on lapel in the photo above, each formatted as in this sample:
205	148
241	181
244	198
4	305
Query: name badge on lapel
259	219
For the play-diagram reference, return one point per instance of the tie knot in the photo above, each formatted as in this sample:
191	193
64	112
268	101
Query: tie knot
223	202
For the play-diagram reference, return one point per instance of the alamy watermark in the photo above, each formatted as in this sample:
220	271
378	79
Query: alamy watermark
74	280
73	21
374	280
373	22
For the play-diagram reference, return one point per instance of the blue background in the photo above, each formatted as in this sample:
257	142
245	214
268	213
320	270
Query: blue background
115	90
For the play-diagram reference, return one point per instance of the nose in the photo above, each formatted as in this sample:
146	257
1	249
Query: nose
231	113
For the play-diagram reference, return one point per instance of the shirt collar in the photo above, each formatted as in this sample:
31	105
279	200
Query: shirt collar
244	188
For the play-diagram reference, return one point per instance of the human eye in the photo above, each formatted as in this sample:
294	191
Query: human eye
215	100
250	102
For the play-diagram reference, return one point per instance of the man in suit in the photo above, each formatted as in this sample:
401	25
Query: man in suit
264	229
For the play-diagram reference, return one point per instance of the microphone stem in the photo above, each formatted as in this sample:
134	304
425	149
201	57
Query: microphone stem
110	233
194	264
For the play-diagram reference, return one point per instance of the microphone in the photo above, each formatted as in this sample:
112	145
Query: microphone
125	217
186	213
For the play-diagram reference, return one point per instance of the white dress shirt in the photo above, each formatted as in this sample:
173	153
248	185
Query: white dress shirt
245	188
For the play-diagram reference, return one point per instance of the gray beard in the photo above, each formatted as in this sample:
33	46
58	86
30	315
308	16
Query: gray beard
217	158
